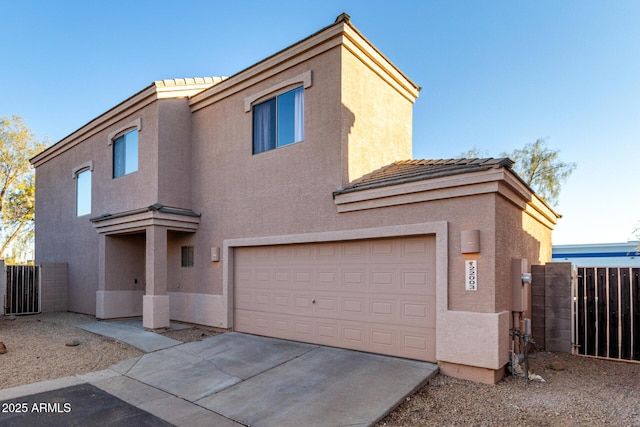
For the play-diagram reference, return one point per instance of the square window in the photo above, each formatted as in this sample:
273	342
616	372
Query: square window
278	121
187	256
125	154
83	192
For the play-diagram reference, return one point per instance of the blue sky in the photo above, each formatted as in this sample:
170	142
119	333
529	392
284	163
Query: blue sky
494	74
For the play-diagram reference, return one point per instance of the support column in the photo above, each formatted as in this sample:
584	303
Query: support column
155	303
102	277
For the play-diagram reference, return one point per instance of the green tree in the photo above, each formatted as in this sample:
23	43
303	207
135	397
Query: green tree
541	168
17	183
474	153
538	165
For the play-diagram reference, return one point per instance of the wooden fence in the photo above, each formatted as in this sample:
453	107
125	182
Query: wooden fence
606	312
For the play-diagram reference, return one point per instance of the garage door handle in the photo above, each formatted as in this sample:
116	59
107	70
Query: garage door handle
313	301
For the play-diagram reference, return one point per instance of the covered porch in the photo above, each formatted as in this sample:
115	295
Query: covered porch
133	261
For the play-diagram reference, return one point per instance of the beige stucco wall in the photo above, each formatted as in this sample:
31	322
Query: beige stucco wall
126	253
60	235
278	191
376	121
354	123
518	235
181	278
203	161
174	153
197	154
136	189
63	237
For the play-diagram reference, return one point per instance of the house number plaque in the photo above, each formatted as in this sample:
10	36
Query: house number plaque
471	274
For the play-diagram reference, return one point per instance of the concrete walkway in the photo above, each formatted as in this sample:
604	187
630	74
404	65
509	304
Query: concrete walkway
133	333
236	379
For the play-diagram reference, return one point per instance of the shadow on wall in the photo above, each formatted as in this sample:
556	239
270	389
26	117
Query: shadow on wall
347	125
125	262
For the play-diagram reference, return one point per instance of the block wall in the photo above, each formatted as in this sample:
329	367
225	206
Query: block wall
54	286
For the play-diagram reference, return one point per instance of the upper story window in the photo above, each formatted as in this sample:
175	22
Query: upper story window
83	192
125	153
278	121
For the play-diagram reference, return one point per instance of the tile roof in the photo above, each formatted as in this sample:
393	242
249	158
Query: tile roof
190	81
404	171
157	207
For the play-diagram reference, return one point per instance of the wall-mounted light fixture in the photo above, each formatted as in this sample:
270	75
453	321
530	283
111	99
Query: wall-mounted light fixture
470	241
215	254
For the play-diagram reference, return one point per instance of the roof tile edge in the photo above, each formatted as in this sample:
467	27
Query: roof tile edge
162	89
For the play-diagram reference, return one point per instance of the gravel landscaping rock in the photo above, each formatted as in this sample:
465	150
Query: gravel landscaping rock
587	392
47	346
38	351
578	391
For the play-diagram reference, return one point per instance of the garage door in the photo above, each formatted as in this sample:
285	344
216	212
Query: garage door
370	295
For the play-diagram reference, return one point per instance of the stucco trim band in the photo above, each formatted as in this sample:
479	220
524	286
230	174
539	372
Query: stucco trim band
419	191
137	124
304	78
328	38
141	219
469	184
129	106
272	66
360	47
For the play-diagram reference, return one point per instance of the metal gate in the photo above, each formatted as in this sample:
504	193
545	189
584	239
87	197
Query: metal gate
606	312
23	289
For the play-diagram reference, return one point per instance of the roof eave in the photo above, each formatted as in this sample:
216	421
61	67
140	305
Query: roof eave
340	33
160	89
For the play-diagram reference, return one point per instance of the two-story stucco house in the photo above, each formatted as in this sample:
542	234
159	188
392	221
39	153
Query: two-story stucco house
283	201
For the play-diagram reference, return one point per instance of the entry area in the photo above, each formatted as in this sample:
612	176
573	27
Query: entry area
374	295
135	250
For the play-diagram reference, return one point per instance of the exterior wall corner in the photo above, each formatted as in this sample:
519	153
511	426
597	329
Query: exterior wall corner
461	334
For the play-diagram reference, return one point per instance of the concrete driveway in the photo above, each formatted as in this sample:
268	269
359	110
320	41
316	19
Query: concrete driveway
236	379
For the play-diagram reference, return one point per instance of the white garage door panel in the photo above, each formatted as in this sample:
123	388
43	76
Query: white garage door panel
370	295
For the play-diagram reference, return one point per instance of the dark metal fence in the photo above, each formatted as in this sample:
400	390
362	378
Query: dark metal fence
23	289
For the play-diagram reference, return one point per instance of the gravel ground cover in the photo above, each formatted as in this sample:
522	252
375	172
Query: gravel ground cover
578	391
47	346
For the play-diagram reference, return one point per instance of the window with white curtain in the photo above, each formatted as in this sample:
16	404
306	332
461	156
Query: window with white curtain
278	121
125	154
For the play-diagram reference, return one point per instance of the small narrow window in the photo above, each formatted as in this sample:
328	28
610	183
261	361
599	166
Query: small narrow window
125	154
278	121
83	192
187	256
